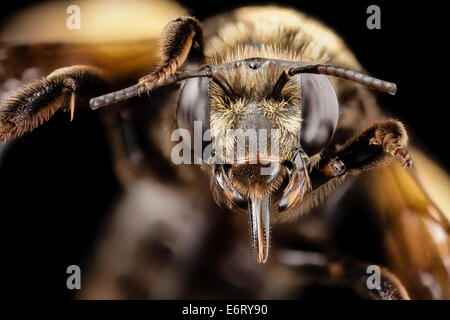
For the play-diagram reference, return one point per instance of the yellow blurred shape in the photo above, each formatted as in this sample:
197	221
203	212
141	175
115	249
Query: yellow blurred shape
101	21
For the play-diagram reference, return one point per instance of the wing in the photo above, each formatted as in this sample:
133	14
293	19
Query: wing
415	232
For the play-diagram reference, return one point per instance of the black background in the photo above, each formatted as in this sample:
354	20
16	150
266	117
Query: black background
56	184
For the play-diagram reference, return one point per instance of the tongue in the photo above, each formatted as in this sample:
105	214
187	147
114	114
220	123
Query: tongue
259	214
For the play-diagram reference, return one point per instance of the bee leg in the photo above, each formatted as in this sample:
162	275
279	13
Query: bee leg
372	148
36	102
177	40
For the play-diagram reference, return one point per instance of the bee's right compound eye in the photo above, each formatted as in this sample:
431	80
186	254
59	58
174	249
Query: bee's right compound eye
193	108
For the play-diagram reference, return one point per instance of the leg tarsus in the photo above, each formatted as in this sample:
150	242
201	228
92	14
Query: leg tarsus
370	149
392	136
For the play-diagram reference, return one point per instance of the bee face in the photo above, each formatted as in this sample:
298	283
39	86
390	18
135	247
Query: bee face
253	132
262	134
301	118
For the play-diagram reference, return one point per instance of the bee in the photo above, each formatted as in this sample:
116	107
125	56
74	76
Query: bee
256	69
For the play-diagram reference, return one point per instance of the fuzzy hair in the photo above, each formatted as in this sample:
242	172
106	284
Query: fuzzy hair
36	102
254	88
277	33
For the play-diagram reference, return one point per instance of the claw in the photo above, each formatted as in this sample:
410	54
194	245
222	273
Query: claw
374	141
406	158
148	82
72	105
393	147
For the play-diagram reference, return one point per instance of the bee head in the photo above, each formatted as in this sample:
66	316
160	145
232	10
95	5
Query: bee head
266	119
262	131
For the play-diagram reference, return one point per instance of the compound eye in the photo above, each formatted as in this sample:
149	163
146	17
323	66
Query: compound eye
193	105
320	112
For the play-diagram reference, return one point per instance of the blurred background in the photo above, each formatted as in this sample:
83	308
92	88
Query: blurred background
50	191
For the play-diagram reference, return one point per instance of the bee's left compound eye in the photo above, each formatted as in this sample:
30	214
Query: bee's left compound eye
193	107
320	112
